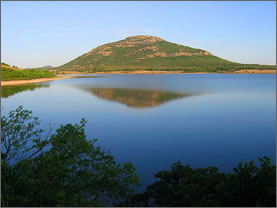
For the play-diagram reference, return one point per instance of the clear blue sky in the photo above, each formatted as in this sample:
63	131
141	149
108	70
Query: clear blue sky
35	34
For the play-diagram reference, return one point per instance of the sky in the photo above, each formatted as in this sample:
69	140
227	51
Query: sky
35	34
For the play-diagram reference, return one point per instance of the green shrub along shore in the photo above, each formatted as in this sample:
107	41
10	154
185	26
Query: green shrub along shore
65	168
8	74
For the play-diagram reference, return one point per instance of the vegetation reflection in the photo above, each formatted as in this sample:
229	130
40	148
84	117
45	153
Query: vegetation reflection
7	91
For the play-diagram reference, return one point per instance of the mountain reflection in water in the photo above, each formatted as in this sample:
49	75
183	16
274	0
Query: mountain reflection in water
136	98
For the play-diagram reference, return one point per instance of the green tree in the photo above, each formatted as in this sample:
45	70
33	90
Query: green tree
72	171
183	186
20	133
250	185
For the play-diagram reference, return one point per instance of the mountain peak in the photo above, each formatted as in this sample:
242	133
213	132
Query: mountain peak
144	37
47	67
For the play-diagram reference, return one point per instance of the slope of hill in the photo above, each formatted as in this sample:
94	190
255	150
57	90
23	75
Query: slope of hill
4	65
151	53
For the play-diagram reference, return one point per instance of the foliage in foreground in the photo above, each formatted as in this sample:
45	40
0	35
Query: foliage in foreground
66	169
184	186
26	74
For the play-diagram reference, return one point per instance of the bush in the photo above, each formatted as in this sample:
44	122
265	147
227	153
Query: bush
15	74
183	186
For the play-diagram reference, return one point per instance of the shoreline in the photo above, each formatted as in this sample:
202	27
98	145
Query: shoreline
150	72
132	72
253	71
243	71
30	81
22	82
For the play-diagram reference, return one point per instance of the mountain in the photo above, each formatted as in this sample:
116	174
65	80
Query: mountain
150	53
47	67
42	68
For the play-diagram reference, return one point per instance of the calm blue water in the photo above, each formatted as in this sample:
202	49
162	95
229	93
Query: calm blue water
155	120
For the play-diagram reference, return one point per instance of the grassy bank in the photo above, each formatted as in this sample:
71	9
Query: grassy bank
8	74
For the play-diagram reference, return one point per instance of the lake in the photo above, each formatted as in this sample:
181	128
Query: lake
155	120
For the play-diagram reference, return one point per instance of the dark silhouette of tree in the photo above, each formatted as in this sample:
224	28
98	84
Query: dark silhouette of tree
72	171
184	186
